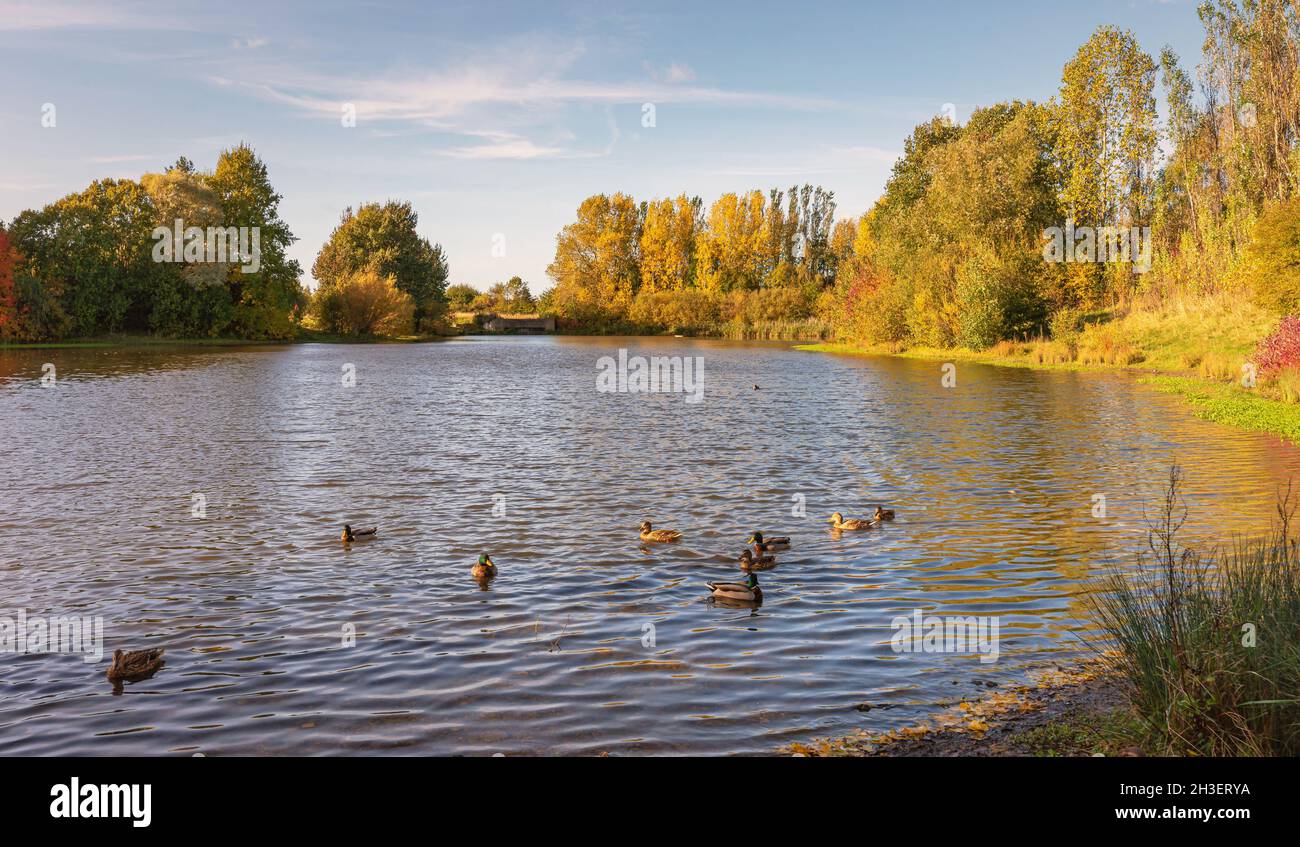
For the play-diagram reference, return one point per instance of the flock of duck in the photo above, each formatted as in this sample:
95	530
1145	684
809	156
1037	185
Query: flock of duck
760	556
136	665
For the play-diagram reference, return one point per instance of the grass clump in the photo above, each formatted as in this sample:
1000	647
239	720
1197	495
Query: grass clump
1210	641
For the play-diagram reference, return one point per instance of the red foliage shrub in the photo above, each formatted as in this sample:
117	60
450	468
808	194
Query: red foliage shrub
1281	349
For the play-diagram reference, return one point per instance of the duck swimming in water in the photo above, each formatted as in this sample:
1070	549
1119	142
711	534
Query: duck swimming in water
660	535
883	514
838	522
761	544
135	665
751	562
349	534
484	569
747	591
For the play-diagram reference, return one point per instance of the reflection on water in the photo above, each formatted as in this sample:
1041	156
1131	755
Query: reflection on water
994	483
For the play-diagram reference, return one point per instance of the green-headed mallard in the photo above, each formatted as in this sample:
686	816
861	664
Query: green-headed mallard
749	561
135	665
747	591
761	544
838	522
350	534
484	569
883	514
649	534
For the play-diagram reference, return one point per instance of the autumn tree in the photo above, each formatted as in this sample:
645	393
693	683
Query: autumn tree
731	249
596	267
668	243
1105	137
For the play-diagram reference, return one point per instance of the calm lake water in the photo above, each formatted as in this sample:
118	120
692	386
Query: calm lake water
994	483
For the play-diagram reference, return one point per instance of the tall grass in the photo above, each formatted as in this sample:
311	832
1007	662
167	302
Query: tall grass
1210	641
805	330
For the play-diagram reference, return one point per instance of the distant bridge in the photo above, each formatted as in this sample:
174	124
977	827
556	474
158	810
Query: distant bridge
509	323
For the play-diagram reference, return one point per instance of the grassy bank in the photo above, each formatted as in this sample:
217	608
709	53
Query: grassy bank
1192	347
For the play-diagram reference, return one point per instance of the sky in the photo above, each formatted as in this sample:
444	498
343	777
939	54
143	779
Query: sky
496	119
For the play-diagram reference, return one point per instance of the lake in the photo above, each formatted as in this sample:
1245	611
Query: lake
282	640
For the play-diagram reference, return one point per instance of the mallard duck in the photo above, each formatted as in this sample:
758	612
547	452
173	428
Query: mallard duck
749	561
839	522
747	591
760	543
135	665
883	514
649	534
484	569
350	534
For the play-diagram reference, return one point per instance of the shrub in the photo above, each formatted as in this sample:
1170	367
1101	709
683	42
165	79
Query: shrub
1281	349
363	303
982	314
766	304
685	311
1066	324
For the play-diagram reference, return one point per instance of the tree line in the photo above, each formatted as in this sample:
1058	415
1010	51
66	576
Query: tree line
966	245
667	264
87	265
954	253
103	261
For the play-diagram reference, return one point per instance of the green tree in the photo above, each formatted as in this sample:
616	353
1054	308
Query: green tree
90	257
383	238
263	301
460	296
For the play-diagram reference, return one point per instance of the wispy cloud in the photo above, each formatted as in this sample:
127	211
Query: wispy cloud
526	88
517	148
28	16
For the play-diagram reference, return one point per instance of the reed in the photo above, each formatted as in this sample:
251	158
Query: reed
806	330
1208	640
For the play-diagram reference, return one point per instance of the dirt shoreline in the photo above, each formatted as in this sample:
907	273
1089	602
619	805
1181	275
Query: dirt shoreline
1073	710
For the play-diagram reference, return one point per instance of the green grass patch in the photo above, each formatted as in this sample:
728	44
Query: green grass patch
1229	404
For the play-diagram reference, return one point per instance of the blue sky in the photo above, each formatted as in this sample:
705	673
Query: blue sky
496	119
